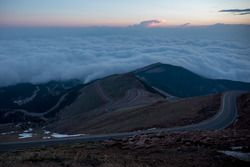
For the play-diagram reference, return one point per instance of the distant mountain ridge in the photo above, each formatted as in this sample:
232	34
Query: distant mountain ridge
33	98
180	82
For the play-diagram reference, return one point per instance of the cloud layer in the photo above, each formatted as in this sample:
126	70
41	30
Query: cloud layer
237	11
41	55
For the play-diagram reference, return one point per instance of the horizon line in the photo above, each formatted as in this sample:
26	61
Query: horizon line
120	26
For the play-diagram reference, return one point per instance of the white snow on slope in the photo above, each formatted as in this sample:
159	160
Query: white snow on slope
24	135
238	155
57	135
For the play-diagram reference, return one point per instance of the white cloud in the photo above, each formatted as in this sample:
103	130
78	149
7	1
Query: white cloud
89	53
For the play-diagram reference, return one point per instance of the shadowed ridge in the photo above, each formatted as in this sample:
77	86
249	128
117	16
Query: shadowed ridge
180	82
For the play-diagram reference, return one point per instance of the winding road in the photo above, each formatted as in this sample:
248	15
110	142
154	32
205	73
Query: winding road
40	115
134	97
226	116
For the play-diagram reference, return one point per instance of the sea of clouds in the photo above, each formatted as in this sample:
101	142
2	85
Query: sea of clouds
42	54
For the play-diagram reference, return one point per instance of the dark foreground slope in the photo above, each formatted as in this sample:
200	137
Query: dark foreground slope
163	149
180	82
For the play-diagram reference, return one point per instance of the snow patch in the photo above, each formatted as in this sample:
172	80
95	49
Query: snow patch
238	155
46	132
46	137
24	135
28	130
7	133
57	135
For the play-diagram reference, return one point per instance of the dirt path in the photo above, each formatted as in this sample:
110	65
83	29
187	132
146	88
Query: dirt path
133	97
101	93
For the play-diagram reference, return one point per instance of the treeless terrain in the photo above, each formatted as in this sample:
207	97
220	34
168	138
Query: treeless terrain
164	149
100	98
162	114
122	103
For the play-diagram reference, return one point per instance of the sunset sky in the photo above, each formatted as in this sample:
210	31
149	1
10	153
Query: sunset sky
122	12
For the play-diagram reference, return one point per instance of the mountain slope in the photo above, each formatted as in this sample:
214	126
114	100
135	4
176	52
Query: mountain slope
180	82
162	114
102	97
116	103
28	102
66	100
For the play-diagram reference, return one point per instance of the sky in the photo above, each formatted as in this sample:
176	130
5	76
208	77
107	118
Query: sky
122	12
